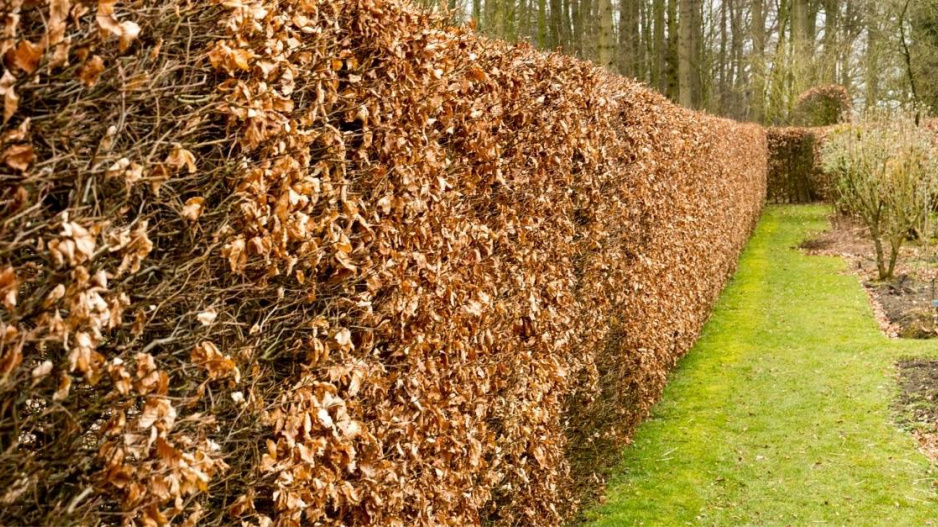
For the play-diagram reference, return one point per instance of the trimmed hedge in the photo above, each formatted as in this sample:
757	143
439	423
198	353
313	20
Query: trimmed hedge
794	170
823	106
795	173
284	262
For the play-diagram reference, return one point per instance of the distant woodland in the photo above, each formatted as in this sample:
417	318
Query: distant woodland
746	59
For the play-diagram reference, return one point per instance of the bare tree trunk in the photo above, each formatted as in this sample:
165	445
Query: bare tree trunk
829	63
523	26
646	45
802	48
700	84
779	78
589	30
494	18
658	77
673	90
605	47
878	245
848	33
739	78
814	9
758	61
893	256
509	22
628	26
685	71
872	58
542	38
799	25
558	24
908	62
722	62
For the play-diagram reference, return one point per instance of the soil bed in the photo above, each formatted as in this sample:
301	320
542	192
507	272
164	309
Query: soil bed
918	390
905	304
917	402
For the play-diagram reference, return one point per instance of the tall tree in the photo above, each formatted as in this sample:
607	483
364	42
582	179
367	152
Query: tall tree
672	73
922	54
542	38
849	27
628	38
685	68
493	21
872	55
646	45
779	79
828	63
605	45
741	58
658	76
758	60
723	65
577	20
559	25
700	57
737	108
799	25
803	64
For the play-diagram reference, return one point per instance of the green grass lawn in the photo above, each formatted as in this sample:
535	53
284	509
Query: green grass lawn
780	415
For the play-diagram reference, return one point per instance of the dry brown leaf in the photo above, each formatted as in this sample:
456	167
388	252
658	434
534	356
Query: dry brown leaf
207	317
26	56
180	157
41	372
126	31
158	176
192	210
11	100
230	60
65	385
9	287
19	157
18	134
58	12
91	71
218	365
234	252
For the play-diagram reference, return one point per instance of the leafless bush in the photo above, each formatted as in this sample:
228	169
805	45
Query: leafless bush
886	174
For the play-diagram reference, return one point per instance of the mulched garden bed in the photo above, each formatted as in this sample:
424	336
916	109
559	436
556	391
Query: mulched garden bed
917	402
904	306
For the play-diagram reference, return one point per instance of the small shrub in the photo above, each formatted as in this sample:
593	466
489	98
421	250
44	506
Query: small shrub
885	174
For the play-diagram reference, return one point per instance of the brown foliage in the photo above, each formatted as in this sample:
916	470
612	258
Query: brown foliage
795	173
287	261
825	105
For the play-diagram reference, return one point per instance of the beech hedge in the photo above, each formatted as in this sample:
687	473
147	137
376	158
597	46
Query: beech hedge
825	105
795	174
331	262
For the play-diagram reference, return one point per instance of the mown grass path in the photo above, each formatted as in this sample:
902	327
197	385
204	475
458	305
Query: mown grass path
780	415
